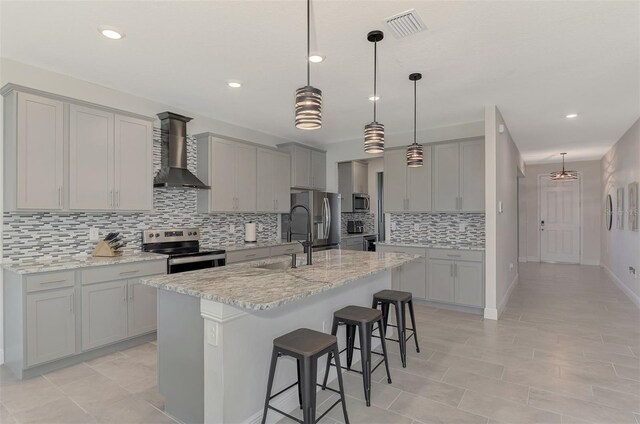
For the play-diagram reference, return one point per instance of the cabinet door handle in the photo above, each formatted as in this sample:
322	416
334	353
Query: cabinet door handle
453	256
408	204
129	272
117	198
53	281
455	270
131	291
60	196
251	255
460	207
451	270
124	293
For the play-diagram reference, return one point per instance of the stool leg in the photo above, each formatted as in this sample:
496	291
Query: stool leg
298	365
334	331
385	315
351	341
340	384
309	377
402	338
374	305
384	349
365	358
272	372
413	325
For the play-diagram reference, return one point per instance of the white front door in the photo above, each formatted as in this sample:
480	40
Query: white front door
559	220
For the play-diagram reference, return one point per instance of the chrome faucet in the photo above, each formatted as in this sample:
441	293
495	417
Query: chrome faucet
308	245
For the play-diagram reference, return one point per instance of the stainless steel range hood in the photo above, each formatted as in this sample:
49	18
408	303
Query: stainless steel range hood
173	156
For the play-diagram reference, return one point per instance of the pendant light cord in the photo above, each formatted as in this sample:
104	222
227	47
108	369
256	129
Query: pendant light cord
415	113
375	78
308	42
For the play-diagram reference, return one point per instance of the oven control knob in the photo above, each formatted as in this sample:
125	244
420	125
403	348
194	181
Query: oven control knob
190	233
195	233
151	235
157	234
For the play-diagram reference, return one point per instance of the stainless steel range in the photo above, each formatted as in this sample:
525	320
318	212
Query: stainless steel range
182	245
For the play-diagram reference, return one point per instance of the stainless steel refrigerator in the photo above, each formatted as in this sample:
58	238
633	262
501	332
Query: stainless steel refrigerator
325	218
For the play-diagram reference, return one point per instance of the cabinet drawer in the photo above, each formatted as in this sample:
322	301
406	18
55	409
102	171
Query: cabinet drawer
124	271
420	251
247	255
456	255
286	249
48	281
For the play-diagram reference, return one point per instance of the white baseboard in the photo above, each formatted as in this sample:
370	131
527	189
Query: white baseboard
491	313
533	259
522	259
507	295
595	263
630	294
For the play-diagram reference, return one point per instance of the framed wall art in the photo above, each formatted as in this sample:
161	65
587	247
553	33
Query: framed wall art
633	206
620	209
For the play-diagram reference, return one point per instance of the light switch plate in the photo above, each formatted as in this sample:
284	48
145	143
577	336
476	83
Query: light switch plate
212	333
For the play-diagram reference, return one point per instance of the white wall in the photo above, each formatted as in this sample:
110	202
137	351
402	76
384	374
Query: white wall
620	249
591	210
503	164
354	149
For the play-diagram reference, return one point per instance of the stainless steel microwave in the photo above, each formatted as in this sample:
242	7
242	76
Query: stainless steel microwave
361	202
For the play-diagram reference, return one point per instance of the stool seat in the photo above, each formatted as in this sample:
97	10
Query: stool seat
305	342
358	314
393	295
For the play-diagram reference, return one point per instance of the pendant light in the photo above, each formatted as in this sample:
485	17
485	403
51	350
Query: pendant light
308	98
414	151
374	132
564	175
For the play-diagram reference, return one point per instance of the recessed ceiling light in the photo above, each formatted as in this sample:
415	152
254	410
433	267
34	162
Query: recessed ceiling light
374	98
234	84
316	58
571	115
110	32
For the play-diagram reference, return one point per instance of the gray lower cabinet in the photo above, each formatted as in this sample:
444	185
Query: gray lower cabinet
469	289
143	308
51	328
104	313
441	287
352	243
411	277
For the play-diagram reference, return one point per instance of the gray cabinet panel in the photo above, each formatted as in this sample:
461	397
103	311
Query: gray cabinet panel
441	284
301	167
352	243
222	181
446	177
469	289
51	330
143	308
282	181
419	185
245	176
472	176
104	313
318	170
413	278
273	181
133	164
395	181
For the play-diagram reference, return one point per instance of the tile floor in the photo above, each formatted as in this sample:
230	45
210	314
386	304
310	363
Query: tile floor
565	351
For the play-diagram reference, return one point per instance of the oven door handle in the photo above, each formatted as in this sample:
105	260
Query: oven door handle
192	259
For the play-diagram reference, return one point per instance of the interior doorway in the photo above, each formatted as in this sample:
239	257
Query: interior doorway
559	220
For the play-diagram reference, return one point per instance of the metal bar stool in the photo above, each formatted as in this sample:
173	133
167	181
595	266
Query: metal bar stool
399	299
363	319
306	346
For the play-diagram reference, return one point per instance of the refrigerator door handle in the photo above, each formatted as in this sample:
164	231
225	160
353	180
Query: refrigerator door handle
328	219
325	217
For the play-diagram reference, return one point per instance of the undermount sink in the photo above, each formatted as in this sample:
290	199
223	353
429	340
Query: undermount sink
276	265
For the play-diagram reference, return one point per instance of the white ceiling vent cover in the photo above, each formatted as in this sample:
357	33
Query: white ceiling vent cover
405	24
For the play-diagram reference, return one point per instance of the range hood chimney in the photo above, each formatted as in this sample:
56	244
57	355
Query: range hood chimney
173	154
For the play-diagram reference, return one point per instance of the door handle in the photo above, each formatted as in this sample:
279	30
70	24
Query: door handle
451	270
460	206
455	270
117	198
60	196
131	291
110	198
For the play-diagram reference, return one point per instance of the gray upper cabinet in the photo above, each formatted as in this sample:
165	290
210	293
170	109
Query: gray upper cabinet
353	177
104	313
107	155
273	176
458	177
406	189
33	152
51	328
230	168
90	159
308	166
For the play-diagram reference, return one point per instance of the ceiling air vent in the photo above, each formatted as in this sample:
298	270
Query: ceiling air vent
406	23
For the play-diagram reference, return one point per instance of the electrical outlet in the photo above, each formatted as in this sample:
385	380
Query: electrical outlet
462	227
416	227
232	228
632	270
94	234
510	267
212	333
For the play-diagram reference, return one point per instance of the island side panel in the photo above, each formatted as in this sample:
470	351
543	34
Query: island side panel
181	356
238	344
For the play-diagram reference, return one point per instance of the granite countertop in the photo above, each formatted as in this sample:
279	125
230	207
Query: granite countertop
246	246
434	245
247	286
62	263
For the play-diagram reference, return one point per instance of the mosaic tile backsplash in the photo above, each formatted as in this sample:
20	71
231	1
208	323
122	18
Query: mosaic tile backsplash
438	227
368	220
33	235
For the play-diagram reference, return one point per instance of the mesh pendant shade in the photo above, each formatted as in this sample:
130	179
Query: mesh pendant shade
414	155
374	138
308	108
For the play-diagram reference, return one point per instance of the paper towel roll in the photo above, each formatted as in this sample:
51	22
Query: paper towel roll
250	232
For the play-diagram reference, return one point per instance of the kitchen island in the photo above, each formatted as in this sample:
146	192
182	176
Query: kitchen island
216	327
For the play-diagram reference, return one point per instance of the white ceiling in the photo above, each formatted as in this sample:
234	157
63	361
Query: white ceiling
536	60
